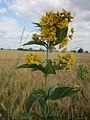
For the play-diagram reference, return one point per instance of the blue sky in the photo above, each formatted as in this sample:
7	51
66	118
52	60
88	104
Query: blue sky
18	14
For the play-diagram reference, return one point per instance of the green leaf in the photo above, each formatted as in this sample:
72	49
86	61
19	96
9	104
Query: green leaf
37	42
50	68
33	66
72	30
52	117
61	34
43	105
33	98
60	92
37	24
82	72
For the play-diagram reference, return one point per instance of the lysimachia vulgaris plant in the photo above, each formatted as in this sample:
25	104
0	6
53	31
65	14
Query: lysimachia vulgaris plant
53	28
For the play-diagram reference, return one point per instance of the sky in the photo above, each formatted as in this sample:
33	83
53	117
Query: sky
17	16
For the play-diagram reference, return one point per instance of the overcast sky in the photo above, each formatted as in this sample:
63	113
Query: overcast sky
15	15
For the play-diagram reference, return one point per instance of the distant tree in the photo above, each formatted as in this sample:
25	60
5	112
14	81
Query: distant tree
20	49
74	51
1	48
80	50
25	49
41	49
30	49
86	51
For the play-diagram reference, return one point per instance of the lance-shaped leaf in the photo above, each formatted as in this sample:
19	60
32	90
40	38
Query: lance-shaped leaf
33	66
37	42
50	68
61	34
37	24
33	98
61	92
43	105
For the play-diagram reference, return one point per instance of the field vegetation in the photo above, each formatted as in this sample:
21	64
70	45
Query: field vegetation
17	84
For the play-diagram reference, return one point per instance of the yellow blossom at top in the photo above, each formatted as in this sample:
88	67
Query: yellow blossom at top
33	58
62	24
50	23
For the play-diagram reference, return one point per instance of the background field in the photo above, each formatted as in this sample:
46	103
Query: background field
15	85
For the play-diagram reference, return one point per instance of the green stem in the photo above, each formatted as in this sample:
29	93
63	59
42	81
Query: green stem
47	55
46	74
46	87
46	83
46	94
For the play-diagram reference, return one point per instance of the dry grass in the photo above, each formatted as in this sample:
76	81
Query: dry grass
15	85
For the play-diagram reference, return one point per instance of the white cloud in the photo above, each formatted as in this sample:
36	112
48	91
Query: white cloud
9	32
3	10
33	9
83	4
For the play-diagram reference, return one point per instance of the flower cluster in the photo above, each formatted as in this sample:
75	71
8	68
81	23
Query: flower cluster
51	23
35	36
64	42
33	58
63	61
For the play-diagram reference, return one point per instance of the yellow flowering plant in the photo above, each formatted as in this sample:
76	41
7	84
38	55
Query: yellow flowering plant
53	31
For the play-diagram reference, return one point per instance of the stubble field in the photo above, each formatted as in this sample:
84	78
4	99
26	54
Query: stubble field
15	86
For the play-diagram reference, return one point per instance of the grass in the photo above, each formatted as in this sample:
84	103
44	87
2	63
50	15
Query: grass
15	86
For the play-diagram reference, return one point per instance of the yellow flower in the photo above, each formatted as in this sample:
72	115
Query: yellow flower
65	60
33	58
62	24
35	37
64	42
50	24
70	58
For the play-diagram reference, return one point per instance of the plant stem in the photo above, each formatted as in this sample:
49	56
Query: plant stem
47	55
46	94
46	74
46	83
46	87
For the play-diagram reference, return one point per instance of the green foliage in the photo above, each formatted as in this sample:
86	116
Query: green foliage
37	24
41	97
48	69
38	42
34	67
33	98
59	33
72	30
81	72
61	92
52	117
80	50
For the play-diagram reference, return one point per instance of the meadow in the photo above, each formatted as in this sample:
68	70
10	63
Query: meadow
16	85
